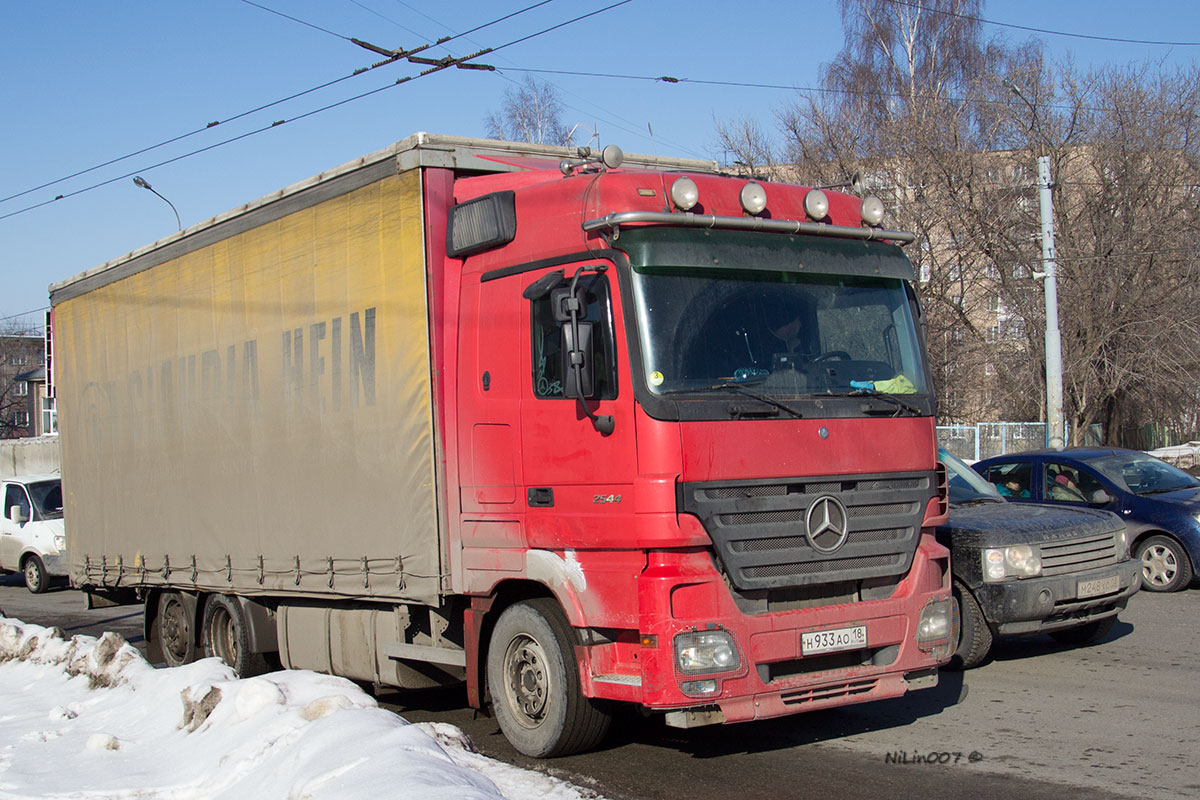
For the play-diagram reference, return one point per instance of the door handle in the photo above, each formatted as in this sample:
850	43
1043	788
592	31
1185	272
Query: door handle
541	497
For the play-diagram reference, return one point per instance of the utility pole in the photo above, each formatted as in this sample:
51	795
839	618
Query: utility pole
1055	430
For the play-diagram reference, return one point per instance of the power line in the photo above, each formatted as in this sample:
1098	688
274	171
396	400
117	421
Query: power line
394	56
1031	29
433	66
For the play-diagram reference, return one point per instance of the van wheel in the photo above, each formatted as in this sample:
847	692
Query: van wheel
175	635
35	575
224	634
1087	633
974	635
534	683
1165	564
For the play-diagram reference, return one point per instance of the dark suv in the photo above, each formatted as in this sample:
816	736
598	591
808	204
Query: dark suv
1023	569
1159	503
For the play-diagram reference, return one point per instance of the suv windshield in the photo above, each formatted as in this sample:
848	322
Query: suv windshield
792	335
966	485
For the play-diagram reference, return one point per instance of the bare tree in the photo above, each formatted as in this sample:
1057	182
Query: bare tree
531	112
925	107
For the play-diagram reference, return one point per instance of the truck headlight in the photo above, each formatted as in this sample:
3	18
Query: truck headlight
935	623
706	652
1018	561
60	542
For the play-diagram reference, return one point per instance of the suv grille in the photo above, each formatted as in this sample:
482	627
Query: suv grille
1076	555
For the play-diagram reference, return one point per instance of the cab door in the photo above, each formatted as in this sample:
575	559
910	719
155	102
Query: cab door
578	456
10	533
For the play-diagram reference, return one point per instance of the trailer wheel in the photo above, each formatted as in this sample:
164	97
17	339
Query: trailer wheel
175	635
974	635
534	683
35	575
225	634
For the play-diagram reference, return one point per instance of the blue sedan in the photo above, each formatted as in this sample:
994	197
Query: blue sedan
1159	503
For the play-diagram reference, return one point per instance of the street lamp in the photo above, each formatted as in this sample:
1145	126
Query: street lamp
140	181
1055	428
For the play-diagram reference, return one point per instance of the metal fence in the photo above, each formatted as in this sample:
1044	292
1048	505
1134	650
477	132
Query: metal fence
987	439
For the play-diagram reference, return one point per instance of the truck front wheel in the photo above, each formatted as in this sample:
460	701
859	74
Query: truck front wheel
225	634
534	683
175	635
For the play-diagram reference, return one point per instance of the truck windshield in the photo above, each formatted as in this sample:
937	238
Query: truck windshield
787	334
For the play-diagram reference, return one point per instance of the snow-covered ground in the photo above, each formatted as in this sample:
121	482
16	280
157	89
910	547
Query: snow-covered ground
90	718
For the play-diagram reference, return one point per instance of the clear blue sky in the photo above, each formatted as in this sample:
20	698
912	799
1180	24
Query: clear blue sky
85	82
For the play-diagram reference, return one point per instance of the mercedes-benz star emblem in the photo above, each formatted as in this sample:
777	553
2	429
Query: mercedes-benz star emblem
828	524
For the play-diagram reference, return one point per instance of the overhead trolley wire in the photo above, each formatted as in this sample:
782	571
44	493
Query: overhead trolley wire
434	65
393	56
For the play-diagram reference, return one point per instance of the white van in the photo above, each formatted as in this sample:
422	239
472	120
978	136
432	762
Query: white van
32	536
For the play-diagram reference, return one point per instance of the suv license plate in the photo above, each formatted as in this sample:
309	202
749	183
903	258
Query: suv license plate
1098	586
833	640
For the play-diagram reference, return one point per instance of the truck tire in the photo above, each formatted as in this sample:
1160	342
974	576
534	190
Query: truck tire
175	635
974	635
1165	564
534	683
1087	633
36	580
225	634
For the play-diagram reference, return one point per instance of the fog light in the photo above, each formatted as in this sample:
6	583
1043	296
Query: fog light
699	687
701	652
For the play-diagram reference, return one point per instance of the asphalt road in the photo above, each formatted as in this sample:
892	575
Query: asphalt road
1041	720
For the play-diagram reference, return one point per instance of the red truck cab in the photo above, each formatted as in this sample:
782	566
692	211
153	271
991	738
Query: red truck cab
690	428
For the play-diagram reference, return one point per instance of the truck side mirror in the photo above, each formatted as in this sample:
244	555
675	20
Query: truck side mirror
578	383
16	516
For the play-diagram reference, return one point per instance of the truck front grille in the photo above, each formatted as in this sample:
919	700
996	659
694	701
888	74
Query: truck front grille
759	528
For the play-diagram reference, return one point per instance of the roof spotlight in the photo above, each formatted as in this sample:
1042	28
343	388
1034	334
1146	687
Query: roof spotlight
754	198
872	210
816	204
685	194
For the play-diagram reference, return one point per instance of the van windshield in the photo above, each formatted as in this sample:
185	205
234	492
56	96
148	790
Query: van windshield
47	498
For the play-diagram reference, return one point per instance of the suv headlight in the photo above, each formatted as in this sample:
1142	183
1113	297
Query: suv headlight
706	652
1018	561
1122	544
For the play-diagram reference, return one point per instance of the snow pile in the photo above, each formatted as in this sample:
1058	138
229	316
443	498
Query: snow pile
86	717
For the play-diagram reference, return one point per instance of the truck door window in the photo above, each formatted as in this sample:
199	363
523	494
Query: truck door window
547	334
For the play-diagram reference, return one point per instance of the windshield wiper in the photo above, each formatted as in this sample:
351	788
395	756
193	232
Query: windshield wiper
740	388
890	398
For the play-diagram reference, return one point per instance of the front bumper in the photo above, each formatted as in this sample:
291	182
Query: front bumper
1035	605
683	592
56	566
